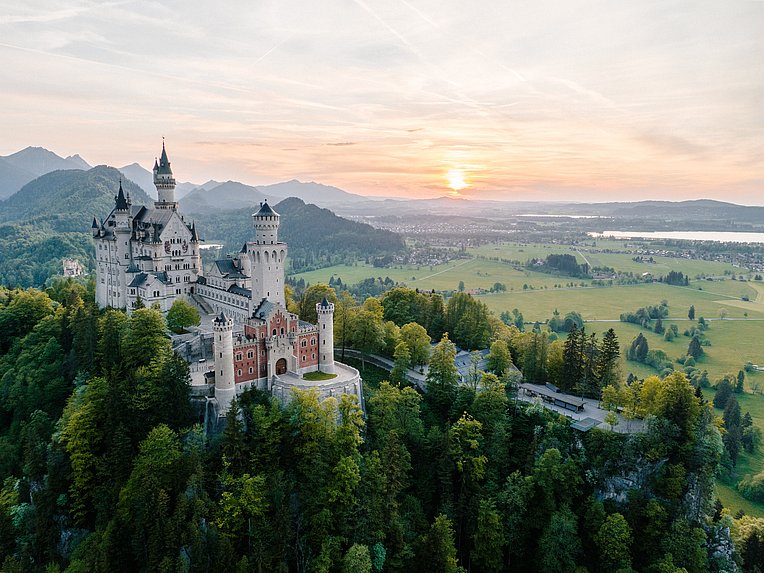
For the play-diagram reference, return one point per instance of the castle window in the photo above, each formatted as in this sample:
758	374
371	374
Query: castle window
238	372
239	356
314	356
250	354
274	332
282	331
250	370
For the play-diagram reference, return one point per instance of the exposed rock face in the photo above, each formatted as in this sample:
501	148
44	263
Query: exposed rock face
720	548
616	487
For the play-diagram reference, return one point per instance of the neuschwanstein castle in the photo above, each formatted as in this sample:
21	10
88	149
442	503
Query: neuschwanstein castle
152	254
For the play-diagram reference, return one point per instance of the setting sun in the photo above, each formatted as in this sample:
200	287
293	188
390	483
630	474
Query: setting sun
456	180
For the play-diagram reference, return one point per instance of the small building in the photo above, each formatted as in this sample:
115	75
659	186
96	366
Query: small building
72	268
566	401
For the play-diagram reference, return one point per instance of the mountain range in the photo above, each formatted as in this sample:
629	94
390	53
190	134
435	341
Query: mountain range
67	200
49	218
25	166
18	169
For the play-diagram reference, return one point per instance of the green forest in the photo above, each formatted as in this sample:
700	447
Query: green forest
106	467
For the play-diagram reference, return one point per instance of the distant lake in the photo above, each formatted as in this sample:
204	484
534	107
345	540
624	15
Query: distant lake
562	216
715	236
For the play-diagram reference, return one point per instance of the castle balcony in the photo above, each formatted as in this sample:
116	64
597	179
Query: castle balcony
346	381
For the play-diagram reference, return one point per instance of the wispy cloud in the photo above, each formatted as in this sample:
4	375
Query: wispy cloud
634	99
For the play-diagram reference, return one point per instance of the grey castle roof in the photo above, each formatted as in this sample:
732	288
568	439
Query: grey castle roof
164	164
324	303
221	318
265	210
245	292
120	200
142	279
264	310
227	268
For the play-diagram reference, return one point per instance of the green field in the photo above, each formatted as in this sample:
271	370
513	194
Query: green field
602	303
476	273
536	295
620	262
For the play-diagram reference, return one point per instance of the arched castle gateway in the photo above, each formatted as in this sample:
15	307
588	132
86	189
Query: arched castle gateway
153	254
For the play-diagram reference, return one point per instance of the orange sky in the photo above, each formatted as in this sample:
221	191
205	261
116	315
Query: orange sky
546	100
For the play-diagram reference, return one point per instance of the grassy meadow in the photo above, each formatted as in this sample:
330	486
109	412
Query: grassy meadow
736	326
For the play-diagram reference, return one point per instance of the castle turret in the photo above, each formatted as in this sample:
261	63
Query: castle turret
164	182
325	311
266	225
121	249
225	388
267	258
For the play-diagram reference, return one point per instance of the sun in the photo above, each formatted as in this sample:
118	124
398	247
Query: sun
456	180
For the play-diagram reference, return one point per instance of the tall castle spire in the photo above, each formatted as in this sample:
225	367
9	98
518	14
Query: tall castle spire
120	200
164	182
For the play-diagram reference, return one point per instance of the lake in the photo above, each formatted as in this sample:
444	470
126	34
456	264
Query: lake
715	236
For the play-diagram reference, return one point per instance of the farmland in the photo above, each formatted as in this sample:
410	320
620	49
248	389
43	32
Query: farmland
733	308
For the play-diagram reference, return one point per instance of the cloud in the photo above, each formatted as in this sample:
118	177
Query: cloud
634	98
668	142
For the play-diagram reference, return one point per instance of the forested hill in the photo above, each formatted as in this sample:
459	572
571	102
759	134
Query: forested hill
317	237
105	468
67	200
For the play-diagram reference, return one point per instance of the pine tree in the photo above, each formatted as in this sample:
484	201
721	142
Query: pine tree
691	312
638	349
695	349
572	366
723	394
740	386
607	360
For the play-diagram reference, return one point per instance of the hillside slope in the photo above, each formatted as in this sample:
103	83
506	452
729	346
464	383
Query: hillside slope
317	237
68	200
18	169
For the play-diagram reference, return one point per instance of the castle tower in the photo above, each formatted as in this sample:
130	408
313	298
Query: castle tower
325	311
164	182
267	258
225	389
122	250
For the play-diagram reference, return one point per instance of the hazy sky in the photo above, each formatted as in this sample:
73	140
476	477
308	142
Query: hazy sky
534	100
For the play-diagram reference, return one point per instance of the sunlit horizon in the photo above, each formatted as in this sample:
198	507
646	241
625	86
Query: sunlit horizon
551	101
